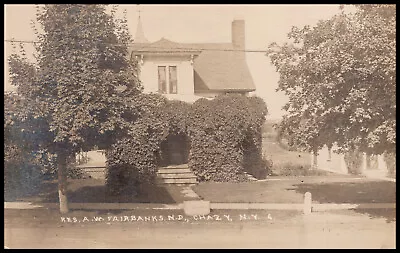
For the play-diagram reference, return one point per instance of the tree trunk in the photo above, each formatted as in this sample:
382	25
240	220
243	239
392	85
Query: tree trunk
329	153
315	159
368	159
62	183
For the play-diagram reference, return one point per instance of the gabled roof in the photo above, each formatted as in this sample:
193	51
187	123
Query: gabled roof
218	66
162	46
222	70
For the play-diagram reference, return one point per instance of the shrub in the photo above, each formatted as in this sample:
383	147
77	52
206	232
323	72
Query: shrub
22	174
122	178
130	161
25	160
291	169
222	132
224	135
260	168
136	156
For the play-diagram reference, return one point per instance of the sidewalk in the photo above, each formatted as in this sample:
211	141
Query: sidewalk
215	206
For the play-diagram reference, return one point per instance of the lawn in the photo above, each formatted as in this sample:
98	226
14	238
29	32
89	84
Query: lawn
345	189
94	191
337	189
285	162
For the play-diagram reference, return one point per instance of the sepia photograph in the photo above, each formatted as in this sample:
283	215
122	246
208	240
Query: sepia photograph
199	126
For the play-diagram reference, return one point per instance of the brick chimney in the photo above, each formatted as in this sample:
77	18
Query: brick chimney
238	34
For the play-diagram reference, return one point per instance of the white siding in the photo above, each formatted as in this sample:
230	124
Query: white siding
149	74
338	165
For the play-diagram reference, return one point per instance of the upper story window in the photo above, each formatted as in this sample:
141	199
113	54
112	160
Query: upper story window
167	83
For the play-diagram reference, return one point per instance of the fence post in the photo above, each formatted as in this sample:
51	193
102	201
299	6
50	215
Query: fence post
307	203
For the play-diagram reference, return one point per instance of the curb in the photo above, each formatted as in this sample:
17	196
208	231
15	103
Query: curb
287	206
214	206
93	206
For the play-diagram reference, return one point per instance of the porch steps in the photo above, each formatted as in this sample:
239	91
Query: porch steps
176	174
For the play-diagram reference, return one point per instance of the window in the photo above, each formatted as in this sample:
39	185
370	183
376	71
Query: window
162	82
173	82
167	83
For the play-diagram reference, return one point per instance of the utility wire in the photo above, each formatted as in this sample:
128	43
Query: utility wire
155	47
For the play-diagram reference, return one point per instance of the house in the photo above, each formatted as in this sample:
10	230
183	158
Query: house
189	71
372	166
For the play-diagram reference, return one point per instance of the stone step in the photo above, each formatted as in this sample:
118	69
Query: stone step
177	166
177	175
250	177
176	181
176	184
94	170
174	170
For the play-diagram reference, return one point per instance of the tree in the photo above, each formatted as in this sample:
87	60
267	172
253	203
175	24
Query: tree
82	85
341	82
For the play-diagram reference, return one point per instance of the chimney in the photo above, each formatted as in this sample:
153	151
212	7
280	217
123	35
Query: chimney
238	34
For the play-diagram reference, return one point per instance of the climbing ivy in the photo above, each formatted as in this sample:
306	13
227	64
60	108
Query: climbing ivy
221	131
224	135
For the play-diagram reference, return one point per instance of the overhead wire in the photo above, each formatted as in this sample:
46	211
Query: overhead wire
156	47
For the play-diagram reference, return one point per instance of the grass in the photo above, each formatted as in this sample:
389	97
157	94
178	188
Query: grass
323	190
291	169
271	192
94	191
344	189
285	162
289	163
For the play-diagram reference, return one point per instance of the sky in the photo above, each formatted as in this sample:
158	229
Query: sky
199	24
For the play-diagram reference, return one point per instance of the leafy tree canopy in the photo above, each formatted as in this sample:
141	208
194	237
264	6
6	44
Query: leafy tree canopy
340	78
83	82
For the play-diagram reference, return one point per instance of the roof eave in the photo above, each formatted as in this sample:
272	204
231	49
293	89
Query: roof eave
228	90
151	52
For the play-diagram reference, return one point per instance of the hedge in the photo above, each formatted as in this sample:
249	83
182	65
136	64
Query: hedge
224	135
134	159
223	132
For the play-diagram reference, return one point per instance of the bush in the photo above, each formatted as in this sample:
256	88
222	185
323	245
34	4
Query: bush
260	169
137	155
22	176
291	169
76	173
253	162
25	160
122	178
223	133
129	162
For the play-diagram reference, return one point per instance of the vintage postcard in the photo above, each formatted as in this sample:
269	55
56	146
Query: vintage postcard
199	126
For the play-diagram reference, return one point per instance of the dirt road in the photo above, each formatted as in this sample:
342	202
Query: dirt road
319	230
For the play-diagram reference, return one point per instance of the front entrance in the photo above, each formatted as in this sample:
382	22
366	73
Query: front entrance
174	150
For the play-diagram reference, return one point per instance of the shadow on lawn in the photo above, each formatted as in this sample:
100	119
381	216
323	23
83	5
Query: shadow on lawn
32	192
355	193
92	191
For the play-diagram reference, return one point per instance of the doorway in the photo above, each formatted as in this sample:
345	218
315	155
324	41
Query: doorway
174	150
